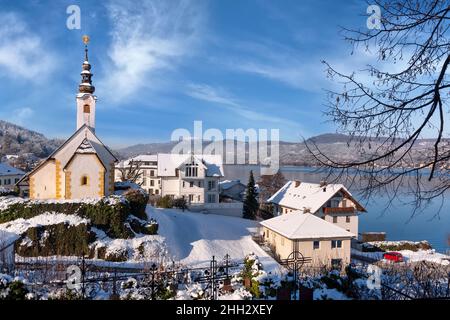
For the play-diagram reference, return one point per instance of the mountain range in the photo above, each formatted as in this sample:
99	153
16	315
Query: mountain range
20	141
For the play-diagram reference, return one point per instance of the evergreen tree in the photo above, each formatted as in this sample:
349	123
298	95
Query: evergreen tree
250	201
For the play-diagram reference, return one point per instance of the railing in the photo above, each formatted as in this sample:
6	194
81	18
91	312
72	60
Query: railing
338	210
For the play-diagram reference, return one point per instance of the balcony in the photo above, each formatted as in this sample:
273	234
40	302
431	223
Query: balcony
338	210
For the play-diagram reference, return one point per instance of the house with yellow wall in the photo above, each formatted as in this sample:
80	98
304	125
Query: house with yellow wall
325	243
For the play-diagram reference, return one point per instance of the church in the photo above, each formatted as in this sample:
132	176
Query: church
82	167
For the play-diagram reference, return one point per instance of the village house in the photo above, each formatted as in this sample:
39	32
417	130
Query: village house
9	176
325	243
82	167
193	177
330	202
231	190
146	167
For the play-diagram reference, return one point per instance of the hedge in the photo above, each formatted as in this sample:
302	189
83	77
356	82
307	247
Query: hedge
57	239
137	200
108	214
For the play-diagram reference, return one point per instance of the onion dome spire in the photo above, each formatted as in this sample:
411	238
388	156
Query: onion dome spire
86	75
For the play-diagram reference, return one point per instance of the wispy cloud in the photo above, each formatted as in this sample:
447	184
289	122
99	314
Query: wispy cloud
276	62
20	116
219	96
148	36
22	53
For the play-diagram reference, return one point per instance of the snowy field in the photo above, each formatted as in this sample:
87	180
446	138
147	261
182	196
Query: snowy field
193	238
411	256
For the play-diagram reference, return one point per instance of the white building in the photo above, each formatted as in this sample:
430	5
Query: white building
147	166
193	177
331	202
9	176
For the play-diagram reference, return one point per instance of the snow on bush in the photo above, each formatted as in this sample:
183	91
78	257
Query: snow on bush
12	288
20	226
138	249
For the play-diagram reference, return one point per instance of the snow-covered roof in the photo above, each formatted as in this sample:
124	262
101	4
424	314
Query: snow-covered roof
227	184
299	225
167	163
7	170
308	196
140	158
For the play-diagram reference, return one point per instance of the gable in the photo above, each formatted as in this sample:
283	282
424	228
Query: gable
309	196
78	156
168	163
66	151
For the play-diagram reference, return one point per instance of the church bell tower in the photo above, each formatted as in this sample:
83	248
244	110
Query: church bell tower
85	97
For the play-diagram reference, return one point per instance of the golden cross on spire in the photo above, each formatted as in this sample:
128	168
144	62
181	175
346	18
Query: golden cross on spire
86	39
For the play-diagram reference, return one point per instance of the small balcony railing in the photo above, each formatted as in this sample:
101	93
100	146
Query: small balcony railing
338	210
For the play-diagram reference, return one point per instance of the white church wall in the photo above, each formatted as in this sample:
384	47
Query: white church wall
43	182
86	165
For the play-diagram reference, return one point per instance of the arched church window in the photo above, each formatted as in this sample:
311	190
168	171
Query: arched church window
86	108
84	180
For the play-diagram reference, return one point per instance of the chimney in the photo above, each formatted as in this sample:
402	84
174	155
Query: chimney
297	183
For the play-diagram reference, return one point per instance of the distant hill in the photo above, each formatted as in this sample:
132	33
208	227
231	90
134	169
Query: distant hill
330	138
17	140
148	148
341	147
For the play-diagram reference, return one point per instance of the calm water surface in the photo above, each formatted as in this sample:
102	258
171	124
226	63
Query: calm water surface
396	221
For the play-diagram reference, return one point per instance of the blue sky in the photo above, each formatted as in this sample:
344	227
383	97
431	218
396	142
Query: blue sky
160	65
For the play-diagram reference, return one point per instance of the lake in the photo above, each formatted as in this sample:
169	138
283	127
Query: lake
396	221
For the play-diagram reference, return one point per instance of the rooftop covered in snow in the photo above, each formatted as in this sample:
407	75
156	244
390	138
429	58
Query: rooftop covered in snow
168	163
7	170
140	158
227	184
299	225
309	196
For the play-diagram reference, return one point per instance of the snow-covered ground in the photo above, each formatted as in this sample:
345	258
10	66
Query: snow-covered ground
193	238
411	256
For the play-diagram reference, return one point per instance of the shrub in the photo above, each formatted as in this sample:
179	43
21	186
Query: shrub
139	226
108	214
153	199
12	289
165	202
180	203
137	200
119	255
57	239
151	228
7	192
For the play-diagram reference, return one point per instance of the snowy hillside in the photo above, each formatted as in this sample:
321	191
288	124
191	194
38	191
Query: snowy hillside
193	238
